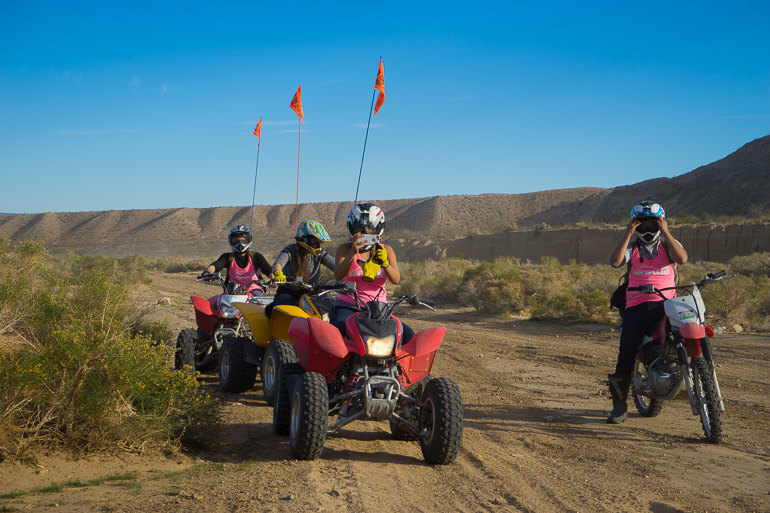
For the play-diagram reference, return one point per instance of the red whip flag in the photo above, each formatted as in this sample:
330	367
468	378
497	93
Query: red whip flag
380	84
258	130
296	103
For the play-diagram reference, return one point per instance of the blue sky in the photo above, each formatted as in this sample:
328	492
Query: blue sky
123	105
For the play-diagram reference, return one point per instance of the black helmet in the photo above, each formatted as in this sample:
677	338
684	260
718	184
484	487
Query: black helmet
240	246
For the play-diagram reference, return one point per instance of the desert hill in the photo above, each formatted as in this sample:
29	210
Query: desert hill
738	184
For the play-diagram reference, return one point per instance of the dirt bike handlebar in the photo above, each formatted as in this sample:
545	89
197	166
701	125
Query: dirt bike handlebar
710	278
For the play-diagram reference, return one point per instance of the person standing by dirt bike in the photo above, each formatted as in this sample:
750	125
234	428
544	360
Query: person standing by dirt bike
243	266
651	259
367	262
301	261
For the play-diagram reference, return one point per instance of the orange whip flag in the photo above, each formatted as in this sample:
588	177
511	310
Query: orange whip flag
380	84
296	103
258	130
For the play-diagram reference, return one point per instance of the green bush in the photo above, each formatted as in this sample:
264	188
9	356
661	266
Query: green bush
82	370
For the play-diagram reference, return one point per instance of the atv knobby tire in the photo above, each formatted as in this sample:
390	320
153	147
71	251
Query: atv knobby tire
185	348
282	405
235	375
441	421
309	416
279	352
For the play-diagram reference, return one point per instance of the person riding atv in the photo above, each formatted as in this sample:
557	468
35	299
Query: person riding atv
302	262
243	266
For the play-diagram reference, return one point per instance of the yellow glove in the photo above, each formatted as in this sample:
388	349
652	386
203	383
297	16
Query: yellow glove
279	276
381	256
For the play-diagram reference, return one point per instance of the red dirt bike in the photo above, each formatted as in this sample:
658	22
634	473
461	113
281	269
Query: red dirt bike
369	374
217	320
678	355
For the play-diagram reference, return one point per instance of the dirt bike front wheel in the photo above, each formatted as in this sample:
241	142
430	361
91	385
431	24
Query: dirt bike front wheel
707	400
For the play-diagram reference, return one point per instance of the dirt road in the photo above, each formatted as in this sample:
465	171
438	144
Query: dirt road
534	440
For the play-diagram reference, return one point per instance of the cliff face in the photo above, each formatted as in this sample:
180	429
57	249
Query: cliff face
592	246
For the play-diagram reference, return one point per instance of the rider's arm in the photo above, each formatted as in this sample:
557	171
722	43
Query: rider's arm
343	260
260	262
676	251
328	260
218	264
618	257
283	259
392	272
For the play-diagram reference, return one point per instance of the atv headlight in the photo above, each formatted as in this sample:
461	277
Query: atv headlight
380	347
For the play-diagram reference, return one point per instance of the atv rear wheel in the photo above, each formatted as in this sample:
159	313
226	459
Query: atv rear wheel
185	348
282	405
235	375
309	416
279	352
441	421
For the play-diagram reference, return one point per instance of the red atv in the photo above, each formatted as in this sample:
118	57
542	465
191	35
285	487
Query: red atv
217	320
369	374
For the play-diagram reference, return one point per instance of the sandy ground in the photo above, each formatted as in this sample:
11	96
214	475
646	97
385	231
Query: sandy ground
534	439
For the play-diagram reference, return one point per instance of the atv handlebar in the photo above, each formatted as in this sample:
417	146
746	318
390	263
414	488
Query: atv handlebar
710	278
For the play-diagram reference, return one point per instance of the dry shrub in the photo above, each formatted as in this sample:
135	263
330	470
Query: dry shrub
88	374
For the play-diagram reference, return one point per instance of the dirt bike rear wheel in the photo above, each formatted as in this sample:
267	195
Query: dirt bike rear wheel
278	353
646	405
441	421
282	405
235	374
708	401
185	348
309	416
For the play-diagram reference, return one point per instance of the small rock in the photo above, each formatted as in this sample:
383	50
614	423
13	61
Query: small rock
499	501
335	493
41	471
719	330
289	497
737	328
197	497
164	301
549	418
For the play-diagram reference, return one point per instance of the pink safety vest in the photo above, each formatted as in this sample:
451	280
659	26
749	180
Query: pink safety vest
367	290
658	272
243	276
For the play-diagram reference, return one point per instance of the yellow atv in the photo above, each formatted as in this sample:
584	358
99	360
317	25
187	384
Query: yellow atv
269	346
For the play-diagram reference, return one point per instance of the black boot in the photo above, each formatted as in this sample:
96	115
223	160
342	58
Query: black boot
619	394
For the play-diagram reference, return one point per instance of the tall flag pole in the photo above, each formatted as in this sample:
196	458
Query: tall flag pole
258	133
296	106
379	85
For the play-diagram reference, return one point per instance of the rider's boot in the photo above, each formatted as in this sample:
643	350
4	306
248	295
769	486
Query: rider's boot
619	393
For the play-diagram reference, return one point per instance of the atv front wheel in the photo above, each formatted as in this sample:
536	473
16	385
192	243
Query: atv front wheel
441	421
235	375
185	348
309	416
282	405
279	352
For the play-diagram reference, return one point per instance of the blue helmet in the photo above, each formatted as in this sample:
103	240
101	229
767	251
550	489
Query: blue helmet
647	208
309	236
648	212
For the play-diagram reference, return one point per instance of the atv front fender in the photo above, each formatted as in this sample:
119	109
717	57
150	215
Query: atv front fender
423	342
319	345
205	316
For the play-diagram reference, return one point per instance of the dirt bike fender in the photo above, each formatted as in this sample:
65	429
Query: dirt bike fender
319	345
424	342
692	330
